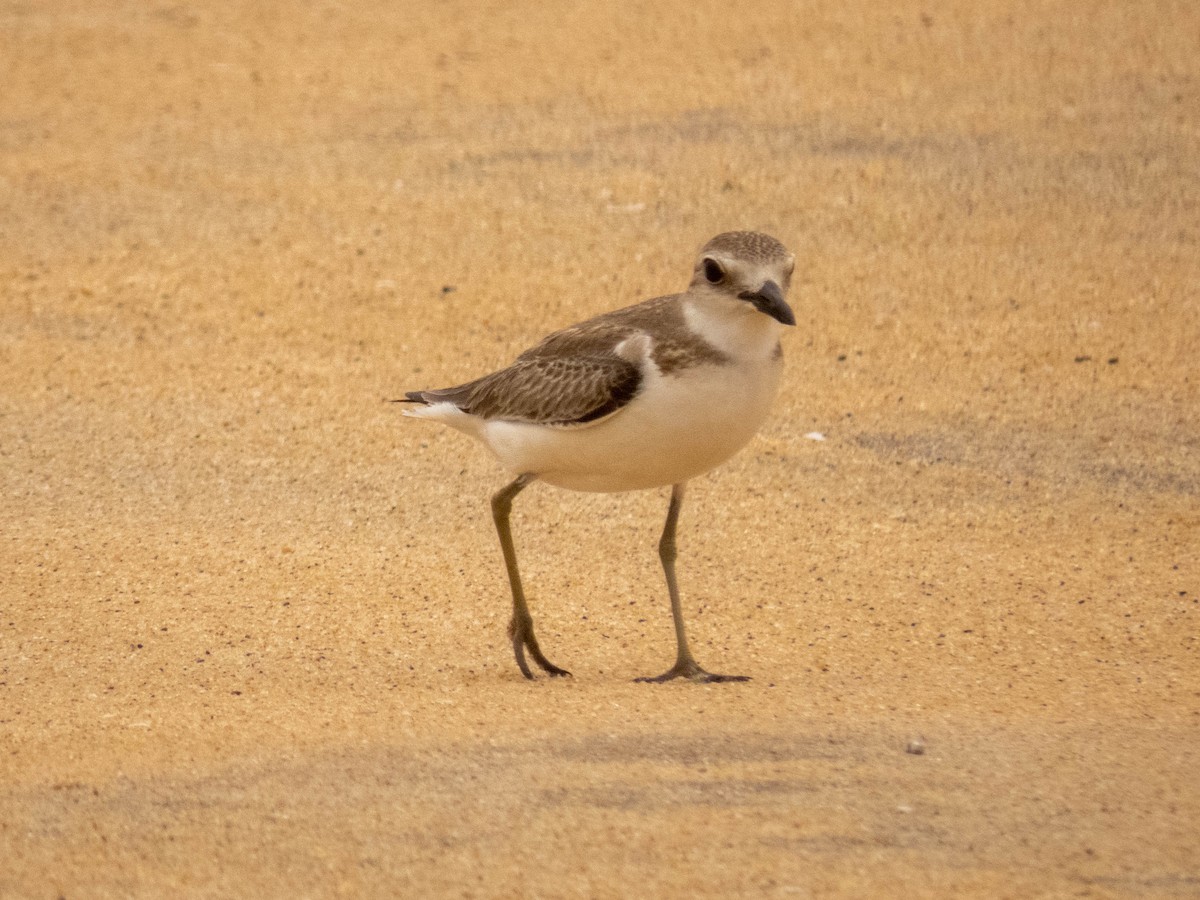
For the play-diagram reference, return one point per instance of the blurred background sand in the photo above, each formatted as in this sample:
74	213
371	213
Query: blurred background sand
252	623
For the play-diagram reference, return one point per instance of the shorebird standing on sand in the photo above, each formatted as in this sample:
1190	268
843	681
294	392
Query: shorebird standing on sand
642	397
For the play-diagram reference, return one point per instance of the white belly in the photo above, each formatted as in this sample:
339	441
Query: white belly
678	427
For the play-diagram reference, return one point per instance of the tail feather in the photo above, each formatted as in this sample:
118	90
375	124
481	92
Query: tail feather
459	396
412	397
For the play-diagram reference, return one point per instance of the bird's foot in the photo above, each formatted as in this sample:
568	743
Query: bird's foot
687	668
521	632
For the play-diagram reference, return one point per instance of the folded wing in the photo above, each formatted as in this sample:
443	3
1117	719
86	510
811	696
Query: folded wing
546	390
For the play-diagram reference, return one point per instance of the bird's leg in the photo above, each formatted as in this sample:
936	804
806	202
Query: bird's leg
685	664
520	629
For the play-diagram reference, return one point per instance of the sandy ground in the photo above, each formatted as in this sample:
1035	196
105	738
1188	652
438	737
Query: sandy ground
252	622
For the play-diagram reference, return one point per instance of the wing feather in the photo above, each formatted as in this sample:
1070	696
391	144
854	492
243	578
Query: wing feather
547	390
575	376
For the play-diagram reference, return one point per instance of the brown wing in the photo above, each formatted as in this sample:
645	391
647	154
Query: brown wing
573	376
546	390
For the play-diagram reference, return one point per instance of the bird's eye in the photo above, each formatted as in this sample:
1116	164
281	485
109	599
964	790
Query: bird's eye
713	271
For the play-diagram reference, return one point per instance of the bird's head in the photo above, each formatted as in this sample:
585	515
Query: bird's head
748	268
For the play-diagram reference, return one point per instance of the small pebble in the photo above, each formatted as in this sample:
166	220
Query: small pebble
916	747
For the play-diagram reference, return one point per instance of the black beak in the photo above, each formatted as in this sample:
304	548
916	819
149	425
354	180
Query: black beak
769	299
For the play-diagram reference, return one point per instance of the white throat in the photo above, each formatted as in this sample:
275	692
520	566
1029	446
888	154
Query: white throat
733	327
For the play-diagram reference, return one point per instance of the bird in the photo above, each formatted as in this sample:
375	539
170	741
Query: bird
647	396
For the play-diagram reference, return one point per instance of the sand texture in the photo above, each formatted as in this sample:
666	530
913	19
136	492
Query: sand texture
252	621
